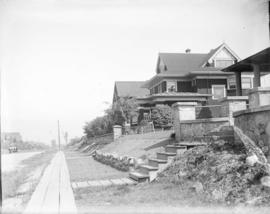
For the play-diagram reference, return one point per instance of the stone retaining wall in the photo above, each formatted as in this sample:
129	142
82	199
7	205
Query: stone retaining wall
255	123
196	129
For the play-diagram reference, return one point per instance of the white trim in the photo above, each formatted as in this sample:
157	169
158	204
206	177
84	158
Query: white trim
224	45
224	90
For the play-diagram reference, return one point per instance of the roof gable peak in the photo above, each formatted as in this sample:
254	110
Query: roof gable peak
214	52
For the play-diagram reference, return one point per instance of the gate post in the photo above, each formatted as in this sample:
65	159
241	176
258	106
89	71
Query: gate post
183	111
117	132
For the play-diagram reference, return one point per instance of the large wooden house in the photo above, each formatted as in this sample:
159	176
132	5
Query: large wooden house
193	76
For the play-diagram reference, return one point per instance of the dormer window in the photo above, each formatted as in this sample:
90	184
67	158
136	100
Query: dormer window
223	63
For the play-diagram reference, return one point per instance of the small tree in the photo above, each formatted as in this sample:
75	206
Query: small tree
125	108
162	116
98	126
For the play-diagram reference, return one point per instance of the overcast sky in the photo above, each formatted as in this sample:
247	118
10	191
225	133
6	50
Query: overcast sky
59	58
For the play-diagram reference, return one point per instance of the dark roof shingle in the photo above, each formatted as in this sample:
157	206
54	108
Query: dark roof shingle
130	88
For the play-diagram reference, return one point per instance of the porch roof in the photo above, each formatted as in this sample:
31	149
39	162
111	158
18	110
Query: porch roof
262	59
172	97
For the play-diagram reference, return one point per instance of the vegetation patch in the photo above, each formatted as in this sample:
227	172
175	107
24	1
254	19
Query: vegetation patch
118	162
220	173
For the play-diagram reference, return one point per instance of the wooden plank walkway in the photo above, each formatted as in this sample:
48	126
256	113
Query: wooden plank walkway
53	194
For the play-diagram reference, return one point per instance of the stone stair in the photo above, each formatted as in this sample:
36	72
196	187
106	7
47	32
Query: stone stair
148	172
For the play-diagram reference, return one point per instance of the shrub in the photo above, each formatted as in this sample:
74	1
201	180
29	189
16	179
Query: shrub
162	116
120	163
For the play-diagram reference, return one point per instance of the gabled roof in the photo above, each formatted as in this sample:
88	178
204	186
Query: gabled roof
182	64
130	89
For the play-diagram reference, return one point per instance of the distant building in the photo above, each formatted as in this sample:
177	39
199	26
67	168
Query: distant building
11	137
131	89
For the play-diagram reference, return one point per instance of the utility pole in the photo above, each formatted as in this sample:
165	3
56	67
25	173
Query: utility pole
59	143
1	197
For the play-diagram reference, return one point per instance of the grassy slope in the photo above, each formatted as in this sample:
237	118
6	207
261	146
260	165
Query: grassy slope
139	145
218	167
83	168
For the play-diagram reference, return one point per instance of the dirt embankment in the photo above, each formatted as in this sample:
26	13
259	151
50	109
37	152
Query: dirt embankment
219	172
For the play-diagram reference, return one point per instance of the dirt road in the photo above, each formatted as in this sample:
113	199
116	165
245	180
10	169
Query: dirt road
12	161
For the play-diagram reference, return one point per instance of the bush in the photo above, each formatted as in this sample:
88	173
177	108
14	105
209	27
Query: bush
162	116
120	163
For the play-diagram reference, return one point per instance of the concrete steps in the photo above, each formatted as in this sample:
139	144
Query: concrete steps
139	177
148	172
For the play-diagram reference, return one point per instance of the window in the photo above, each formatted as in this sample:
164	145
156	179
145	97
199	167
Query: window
159	88
193	83
223	63
246	82
231	84
171	85
146	116
164	86
218	91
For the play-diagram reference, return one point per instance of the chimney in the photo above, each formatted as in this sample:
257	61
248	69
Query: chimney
188	50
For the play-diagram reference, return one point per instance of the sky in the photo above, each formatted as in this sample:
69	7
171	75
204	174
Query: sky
59	58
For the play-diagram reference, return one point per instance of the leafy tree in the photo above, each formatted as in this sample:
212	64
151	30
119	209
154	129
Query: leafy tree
127	107
98	126
124	109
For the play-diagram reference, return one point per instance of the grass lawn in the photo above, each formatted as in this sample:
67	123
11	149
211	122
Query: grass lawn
83	168
11	181
139	145
151	198
161	194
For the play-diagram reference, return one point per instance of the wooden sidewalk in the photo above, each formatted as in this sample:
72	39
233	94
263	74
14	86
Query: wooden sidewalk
53	194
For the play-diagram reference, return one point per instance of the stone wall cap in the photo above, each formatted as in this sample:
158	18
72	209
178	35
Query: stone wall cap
252	110
117	126
184	104
234	98
206	120
259	89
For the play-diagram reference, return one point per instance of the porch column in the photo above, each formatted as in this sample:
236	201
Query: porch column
182	111
257	76
238	83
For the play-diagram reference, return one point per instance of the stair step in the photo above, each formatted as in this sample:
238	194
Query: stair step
155	162
149	168
191	144
175	149
137	176
167	153
176	146
158	160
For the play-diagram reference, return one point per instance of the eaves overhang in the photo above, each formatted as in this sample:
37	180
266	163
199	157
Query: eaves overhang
262	59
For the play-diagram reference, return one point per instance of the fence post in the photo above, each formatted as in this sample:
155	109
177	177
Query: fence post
233	104
117	132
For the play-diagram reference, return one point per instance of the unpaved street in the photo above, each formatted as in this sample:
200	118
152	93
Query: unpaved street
12	161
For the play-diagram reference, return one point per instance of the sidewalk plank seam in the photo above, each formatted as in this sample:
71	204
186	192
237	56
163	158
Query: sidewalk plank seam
53	193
